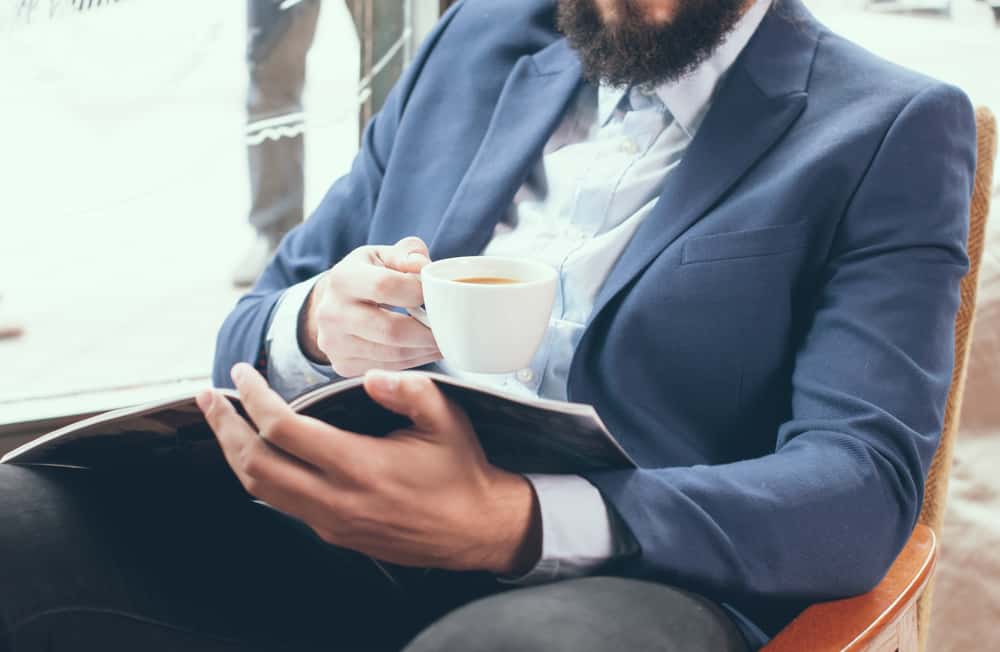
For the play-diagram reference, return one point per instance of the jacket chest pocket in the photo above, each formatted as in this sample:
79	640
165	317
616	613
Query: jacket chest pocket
752	243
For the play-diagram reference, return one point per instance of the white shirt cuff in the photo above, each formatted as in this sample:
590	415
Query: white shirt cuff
578	532
289	371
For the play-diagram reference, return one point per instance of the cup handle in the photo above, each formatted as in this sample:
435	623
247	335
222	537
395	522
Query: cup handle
420	315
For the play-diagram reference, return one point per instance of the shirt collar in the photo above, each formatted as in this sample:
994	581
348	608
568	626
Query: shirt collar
688	98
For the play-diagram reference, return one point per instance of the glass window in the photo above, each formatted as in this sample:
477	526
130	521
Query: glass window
148	148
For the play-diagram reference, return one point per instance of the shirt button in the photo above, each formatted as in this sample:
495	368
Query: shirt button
629	147
525	375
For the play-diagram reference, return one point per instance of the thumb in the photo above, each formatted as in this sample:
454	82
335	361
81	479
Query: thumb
418	398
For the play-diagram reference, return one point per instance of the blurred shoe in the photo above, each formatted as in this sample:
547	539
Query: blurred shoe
249	269
10	330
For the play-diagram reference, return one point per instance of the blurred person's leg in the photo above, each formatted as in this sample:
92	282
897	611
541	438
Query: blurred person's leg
163	561
278	41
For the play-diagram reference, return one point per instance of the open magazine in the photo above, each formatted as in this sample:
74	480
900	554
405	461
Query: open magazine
523	435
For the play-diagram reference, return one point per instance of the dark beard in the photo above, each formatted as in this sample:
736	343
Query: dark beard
632	51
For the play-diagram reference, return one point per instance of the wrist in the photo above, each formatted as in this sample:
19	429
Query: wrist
307	327
515	522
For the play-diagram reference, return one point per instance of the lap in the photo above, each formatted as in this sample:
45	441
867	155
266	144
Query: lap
585	615
165	556
167	560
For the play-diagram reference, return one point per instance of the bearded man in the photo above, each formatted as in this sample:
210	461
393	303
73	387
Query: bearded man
759	230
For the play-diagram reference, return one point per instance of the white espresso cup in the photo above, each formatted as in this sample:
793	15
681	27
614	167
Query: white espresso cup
484	327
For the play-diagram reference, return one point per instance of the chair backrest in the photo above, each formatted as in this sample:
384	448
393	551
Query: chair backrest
936	491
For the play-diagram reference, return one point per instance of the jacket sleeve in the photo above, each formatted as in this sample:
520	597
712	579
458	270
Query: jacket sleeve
826	513
339	225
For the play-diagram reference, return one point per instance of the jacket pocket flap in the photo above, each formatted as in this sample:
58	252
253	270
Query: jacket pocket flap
745	244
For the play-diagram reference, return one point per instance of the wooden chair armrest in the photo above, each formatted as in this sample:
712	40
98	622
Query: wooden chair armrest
884	618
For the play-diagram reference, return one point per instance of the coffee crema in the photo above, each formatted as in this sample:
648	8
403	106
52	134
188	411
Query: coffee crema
487	280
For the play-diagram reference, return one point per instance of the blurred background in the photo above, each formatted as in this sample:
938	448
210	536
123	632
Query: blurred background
123	163
125	193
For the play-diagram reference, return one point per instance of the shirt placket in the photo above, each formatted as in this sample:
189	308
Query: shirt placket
620	143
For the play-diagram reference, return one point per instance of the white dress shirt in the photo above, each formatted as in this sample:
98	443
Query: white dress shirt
600	174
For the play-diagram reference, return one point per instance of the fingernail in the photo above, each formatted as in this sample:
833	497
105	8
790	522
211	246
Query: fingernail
204	400
237	373
417	259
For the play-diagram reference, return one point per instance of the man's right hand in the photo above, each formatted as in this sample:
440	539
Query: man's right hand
344	324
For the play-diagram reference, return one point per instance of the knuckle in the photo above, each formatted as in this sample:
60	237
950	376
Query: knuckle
277	430
390	257
384	284
364	252
252	461
415	411
359	473
343	509
286	425
252	485
373	469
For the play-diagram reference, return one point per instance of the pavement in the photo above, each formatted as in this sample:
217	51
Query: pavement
124	188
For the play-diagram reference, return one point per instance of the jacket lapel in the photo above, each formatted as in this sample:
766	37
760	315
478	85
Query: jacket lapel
530	107
760	98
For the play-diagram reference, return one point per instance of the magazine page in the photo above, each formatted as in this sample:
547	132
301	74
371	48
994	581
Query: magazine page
518	433
127	436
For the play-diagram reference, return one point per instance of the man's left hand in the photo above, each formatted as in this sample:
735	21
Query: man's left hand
421	496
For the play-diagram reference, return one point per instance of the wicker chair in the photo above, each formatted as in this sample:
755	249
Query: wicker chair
894	616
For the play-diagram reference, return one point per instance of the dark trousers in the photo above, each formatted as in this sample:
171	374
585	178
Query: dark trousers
168	560
278	41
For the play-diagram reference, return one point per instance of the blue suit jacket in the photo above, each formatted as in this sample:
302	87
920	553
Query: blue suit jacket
774	346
